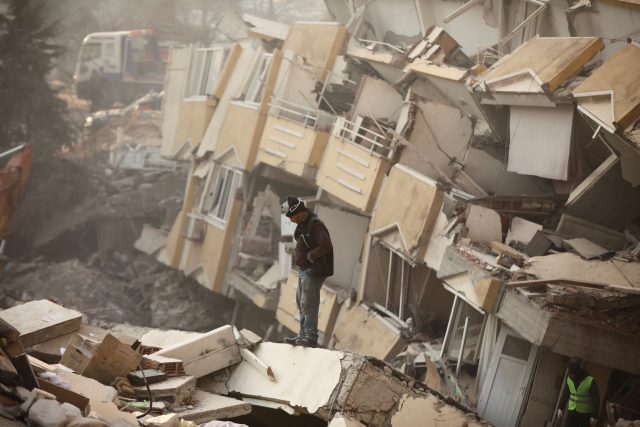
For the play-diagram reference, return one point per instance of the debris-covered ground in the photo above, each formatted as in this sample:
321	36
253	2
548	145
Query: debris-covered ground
74	237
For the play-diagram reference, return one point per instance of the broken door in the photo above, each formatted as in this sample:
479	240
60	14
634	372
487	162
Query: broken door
507	381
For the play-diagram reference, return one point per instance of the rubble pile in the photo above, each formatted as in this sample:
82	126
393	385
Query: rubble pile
175	378
133	290
477	168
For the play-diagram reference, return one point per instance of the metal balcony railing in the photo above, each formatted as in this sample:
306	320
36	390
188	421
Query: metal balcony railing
287	110
376	143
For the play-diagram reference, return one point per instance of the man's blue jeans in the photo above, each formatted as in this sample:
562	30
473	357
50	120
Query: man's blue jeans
308	302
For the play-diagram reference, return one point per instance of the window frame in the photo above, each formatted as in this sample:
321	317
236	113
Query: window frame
203	77
253	89
219	193
455	328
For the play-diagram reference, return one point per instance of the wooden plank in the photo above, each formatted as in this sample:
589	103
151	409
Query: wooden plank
41	320
65	396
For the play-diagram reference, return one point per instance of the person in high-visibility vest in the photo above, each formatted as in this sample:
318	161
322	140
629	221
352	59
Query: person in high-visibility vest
581	398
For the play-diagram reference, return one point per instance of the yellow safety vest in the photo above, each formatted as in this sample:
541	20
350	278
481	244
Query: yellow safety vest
580	399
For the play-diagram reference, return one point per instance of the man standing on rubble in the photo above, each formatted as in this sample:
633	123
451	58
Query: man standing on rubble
314	258
581	392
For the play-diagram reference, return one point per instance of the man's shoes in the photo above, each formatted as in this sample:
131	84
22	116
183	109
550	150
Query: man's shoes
291	340
306	342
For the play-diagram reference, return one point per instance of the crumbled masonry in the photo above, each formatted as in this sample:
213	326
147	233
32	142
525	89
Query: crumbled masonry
476	165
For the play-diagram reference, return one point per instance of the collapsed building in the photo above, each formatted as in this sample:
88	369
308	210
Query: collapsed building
476	165
59	371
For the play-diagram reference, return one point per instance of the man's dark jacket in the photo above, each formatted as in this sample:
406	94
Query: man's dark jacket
313	241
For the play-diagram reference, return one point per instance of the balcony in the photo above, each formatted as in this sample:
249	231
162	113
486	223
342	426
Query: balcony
356	160
291	139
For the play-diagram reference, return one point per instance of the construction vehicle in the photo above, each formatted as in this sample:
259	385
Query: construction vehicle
119	66
13	179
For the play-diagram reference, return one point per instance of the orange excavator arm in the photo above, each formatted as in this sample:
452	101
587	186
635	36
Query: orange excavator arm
13	179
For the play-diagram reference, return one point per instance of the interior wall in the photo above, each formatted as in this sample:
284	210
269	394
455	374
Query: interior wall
376	275
348	233
398	16
175	86
469	29
368	100
436	298
613	20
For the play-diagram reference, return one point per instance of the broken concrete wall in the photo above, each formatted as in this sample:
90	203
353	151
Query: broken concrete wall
175	87
367	102
415	410
405	222
366	389
238	67
438	142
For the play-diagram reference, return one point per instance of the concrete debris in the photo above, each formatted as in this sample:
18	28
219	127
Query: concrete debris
479	183
52	321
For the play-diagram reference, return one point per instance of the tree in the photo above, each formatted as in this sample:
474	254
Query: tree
30	108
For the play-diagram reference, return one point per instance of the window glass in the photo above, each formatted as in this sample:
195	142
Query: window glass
205	72
91	51
255	85
221	191
473	338
516	347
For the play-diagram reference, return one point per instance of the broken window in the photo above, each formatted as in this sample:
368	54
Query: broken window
205	71
254	87
464	334
221	190
394	275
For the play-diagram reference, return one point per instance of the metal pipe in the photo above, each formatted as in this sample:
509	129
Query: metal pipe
11	151
522	24
387	299
403	291
459	11
447	334
462	343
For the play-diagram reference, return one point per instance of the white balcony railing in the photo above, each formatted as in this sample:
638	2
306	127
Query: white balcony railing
376	143
287	110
